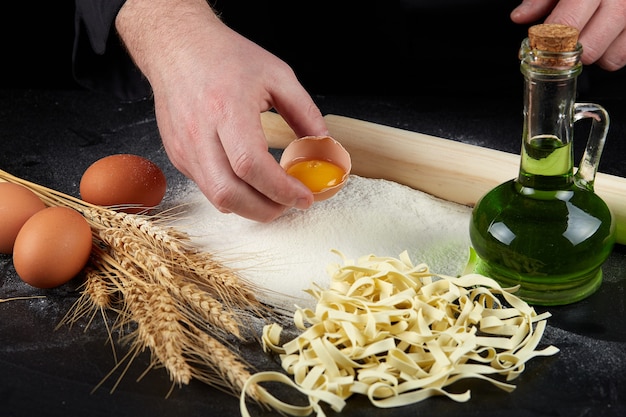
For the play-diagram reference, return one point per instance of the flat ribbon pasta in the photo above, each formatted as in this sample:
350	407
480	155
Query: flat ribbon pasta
398	334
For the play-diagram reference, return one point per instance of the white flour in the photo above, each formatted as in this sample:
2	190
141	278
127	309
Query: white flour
368	216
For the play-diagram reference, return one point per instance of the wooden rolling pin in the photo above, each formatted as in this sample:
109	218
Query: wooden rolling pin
444	168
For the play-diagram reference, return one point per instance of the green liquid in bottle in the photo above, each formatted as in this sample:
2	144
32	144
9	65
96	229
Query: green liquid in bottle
543	231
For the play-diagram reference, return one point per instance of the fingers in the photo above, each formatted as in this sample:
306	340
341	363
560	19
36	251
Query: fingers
243	182
228	160
232	191
602	25
256	176
614	58
251	163
532	10
245	145
296	106
575	13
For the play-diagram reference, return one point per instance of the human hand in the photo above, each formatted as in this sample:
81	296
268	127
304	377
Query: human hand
602	25
210	85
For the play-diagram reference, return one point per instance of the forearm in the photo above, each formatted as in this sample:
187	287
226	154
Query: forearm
156	31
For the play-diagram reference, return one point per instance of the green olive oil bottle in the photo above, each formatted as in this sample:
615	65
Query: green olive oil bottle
547	231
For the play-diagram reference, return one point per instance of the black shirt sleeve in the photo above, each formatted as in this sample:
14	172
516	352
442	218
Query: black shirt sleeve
100	61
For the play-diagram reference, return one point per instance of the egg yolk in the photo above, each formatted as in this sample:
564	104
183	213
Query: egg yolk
317	175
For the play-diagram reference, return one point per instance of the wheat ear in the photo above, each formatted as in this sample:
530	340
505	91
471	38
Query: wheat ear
169	297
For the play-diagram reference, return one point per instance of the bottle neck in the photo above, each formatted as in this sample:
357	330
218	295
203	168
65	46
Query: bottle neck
549	98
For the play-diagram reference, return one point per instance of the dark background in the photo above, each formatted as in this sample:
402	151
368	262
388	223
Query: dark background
393	47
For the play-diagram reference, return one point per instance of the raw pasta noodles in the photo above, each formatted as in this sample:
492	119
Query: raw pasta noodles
398	334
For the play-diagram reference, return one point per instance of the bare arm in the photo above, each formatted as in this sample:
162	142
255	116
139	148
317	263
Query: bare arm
210	85
602	24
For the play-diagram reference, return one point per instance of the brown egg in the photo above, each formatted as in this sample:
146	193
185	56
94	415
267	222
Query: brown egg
52	247
126	182
320	162
17	204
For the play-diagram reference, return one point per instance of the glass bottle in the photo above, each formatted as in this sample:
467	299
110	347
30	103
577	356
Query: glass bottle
546	230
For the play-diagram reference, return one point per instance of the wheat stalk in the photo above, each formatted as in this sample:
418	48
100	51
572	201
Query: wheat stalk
166	295
132	254
159	327
228	366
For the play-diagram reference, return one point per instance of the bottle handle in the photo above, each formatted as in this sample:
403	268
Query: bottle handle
586	173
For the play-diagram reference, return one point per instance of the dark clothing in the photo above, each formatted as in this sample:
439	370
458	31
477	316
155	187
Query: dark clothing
100	60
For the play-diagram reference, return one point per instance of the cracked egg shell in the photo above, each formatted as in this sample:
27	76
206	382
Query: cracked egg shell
320	162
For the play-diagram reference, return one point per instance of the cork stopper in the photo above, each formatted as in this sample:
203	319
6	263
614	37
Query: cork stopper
552	47
553	37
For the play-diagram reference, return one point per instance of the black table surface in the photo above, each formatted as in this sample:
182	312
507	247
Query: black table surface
50	137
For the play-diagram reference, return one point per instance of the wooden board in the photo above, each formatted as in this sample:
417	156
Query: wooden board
445	168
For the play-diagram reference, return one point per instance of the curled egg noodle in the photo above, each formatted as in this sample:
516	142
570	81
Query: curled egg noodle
398	334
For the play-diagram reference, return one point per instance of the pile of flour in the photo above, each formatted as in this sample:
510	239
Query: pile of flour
368	216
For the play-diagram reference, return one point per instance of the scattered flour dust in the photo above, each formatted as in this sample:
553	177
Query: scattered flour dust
368	216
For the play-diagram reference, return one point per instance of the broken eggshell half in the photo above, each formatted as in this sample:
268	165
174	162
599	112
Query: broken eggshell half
319	148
